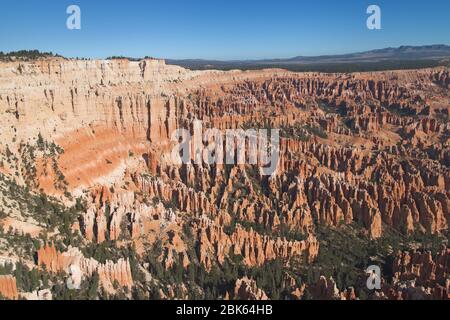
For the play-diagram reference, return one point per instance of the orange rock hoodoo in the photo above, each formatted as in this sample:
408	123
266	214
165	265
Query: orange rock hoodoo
8	288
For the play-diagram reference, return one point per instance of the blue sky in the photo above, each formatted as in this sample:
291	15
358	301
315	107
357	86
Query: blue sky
219	29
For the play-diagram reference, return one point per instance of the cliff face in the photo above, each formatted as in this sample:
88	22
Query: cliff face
97	111
59	96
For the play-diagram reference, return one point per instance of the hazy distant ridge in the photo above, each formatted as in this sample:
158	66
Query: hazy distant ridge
403	53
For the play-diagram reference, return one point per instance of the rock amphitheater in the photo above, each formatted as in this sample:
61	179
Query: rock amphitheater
367	152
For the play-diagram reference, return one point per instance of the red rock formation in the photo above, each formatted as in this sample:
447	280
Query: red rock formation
417	276
422	267
108	272
215	244
370	148
327	290
111	272
8	288
53	260
246	289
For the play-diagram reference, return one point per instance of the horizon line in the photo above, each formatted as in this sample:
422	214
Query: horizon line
220	59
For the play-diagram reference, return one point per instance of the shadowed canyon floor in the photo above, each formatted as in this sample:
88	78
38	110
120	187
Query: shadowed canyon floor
86	180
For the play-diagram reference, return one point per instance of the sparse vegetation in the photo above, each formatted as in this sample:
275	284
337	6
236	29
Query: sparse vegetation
26	55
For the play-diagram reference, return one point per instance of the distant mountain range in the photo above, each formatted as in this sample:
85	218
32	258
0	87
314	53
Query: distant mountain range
403	57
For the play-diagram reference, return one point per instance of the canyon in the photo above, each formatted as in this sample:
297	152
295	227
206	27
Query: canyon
368	152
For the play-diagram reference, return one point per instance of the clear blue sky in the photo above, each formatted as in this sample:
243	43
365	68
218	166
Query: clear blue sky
219	29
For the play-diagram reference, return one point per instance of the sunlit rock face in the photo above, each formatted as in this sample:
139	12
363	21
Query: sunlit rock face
8	287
